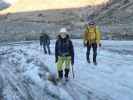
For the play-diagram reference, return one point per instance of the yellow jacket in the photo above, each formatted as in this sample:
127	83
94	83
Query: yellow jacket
92	35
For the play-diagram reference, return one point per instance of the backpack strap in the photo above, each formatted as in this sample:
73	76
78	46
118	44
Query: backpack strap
94	32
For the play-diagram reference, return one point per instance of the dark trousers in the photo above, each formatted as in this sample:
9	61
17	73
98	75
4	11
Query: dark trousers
46	49
94	47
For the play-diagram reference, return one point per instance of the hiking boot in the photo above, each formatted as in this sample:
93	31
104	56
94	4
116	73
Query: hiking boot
66	79
60	74
66	73
95	63
59	79
88	61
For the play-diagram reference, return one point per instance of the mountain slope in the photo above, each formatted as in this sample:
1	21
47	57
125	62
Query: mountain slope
26	25
114	18
118	12
31	5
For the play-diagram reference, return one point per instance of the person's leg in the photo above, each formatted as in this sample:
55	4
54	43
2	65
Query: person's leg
44	48
1	87
88	53
60	67
48	47
94	45
67	66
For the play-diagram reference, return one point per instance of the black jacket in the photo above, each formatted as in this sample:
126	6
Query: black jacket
64	47
44	39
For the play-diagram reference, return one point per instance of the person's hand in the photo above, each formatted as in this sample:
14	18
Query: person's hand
56	59
72	63
85	43
100	44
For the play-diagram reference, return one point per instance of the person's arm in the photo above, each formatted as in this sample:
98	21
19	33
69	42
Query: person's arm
98	35
72	52
41	40
85	36
48	40
56	51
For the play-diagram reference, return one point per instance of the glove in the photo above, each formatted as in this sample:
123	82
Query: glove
85	43
72	62
56	59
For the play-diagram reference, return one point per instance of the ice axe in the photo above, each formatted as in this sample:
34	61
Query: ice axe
73	72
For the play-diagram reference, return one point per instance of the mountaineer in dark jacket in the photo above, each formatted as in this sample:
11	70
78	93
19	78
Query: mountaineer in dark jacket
45	42
64	54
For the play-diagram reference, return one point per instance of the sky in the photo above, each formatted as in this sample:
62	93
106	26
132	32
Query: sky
34	5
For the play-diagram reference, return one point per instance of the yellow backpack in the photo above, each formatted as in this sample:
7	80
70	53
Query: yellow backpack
90	34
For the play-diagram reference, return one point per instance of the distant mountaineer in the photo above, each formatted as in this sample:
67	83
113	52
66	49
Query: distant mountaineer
92	38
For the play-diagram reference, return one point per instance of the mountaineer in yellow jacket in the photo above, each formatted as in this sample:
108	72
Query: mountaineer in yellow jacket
92	37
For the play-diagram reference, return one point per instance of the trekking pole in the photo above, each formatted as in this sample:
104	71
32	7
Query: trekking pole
73	72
